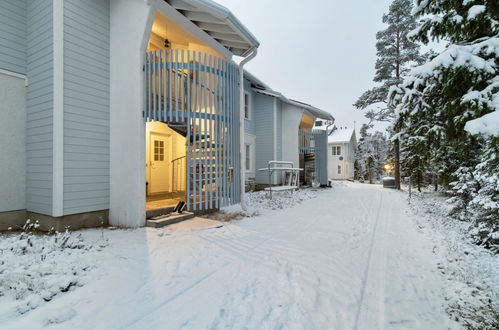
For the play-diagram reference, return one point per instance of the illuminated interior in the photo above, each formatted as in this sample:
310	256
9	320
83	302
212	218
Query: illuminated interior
164	29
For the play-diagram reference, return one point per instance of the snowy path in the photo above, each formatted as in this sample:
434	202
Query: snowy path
352	258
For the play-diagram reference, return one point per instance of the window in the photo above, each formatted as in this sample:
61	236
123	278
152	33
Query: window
246	106
339	169
159	150
336	151
248	157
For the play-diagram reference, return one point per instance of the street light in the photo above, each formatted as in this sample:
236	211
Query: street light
388	168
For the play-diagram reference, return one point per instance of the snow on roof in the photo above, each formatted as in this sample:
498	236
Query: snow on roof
341	135
264	89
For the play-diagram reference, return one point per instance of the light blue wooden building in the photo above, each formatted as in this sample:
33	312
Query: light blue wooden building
282	129
109	107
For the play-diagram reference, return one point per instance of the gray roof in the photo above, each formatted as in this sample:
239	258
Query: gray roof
219	23
262	88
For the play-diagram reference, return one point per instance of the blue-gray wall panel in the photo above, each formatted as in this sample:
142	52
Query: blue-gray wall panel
13	29
39	68
86	106
264	129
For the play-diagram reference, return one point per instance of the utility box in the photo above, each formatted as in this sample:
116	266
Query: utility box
389	182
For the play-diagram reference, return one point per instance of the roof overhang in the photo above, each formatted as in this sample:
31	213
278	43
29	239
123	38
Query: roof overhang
218	23
262	88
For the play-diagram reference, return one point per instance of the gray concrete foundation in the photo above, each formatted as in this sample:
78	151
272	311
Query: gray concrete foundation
16	219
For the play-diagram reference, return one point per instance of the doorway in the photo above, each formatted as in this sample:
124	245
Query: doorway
166	170
160	156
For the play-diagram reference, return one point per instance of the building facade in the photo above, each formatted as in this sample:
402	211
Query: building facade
106	103
342	143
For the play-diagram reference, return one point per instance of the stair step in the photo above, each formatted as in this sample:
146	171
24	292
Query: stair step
158	212
170	219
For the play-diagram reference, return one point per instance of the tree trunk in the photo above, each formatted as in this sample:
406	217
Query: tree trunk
396	143
396	161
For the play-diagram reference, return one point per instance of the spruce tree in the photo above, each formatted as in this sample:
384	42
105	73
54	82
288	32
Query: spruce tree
438	101
371	154
396	54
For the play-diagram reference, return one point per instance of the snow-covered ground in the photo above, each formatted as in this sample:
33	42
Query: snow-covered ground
351	257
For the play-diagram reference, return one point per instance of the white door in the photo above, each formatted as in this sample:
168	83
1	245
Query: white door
160	160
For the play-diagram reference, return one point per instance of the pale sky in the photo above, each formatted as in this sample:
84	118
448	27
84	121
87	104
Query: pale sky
320	52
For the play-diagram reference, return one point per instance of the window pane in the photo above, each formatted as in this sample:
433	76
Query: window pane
339	169
339	150
246	106
248	157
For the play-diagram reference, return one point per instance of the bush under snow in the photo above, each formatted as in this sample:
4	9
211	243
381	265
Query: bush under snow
35	267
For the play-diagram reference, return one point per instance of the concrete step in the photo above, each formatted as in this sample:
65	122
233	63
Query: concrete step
170	219
159	212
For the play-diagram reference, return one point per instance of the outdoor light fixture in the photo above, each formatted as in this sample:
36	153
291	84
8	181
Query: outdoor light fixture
167	43
388	167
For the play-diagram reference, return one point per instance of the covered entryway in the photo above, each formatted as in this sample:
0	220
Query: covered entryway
165	166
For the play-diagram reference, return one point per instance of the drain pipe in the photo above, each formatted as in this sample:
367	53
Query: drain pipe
252	55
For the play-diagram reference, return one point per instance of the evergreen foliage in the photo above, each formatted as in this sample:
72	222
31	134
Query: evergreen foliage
371	155
396	55
437	99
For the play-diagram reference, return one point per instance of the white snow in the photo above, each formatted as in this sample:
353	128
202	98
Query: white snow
353	256
488	124
475	10
341	135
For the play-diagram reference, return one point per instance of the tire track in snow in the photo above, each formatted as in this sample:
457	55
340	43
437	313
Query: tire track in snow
370	314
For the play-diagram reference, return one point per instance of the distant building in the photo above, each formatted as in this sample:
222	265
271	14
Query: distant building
341	154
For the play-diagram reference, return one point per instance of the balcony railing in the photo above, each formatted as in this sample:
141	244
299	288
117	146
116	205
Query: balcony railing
199	92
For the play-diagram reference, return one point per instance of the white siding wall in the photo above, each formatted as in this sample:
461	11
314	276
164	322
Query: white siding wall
347	164
12	143
86	106
291	117
39	106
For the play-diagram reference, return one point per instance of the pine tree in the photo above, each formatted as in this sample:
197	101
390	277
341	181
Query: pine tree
396	54
439	99
371	155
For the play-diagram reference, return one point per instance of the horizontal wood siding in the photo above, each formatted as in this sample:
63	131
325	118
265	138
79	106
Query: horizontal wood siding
86	106
264	130
39	104
279	130
13	35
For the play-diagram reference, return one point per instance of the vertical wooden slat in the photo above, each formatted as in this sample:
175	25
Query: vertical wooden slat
225	150
230	128
160	86
165	82
188	136
195	131
170	82
148	86
153	84
182	72
175	86
216	78
210	134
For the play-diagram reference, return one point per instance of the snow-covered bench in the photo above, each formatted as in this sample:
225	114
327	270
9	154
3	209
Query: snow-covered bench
291	179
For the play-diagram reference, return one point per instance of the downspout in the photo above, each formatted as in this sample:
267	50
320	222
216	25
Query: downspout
252	54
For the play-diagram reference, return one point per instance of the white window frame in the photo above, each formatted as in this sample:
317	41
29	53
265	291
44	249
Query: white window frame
247	106
336	151
248	158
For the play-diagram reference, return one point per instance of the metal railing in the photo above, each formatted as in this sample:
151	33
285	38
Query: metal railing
178	174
